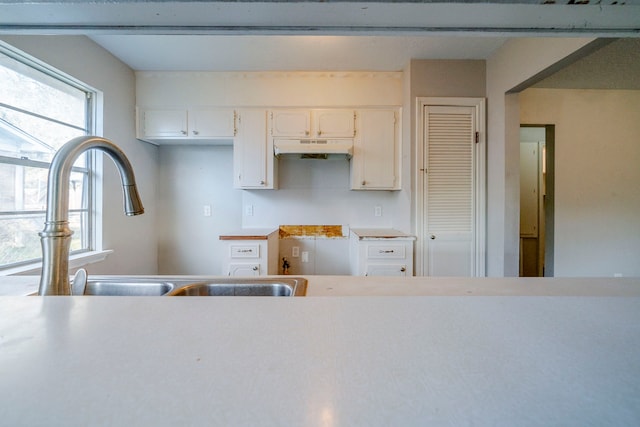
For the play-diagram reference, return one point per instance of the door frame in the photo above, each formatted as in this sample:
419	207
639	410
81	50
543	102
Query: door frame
480	179
550	197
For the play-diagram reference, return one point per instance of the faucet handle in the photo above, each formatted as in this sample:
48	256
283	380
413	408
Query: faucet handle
79	282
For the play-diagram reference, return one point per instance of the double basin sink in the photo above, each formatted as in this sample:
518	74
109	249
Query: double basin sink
183	286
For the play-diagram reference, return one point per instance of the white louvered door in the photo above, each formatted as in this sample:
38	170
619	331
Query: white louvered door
449	225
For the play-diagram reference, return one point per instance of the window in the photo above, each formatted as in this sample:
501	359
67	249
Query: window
40	110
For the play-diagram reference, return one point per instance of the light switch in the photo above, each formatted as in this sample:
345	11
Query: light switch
377	211
305	256
248	210
206	210
295	251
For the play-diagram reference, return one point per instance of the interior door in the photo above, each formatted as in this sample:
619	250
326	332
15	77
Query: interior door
449	202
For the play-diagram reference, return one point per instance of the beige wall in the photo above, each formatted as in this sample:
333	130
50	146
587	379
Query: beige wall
325	198
310	191
133	239
597	191
517	61
270	89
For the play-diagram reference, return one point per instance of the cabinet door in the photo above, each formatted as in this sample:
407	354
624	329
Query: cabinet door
244	269
212	123
376	152
164	123
334	123
386	270
253	160
291	123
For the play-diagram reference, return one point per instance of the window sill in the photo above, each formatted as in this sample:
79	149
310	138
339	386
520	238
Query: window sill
75	261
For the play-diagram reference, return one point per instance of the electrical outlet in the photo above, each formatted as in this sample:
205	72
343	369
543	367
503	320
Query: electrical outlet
295	251
377	211
206	210
305	256
248	210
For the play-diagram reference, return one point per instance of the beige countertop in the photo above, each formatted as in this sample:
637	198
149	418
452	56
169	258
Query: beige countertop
445	352
422	286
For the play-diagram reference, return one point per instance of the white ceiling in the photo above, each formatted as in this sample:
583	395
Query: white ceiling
248	35
292	52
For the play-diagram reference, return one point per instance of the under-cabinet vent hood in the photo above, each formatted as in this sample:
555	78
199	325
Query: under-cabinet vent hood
314	148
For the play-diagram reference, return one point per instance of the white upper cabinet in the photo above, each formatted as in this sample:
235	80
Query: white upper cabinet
313	123
376	151
334	123
253	160
165	123
291	123
182	126
212	123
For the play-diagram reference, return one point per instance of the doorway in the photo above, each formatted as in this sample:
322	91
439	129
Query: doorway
537	174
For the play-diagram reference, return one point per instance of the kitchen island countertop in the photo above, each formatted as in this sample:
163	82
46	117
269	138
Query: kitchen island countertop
515	352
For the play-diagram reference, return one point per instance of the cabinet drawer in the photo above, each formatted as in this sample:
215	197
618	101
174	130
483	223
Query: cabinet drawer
386	252
244	251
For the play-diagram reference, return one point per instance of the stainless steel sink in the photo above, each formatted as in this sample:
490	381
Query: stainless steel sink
128	287
193	286
288	287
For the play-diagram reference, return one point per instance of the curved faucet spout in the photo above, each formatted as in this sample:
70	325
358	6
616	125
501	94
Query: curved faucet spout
56	236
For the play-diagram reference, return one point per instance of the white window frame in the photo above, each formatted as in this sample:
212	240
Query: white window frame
93	252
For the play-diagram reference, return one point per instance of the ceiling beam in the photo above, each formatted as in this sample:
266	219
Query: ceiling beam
318	17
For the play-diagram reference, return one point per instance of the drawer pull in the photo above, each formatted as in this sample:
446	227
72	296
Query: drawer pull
387	251
245	251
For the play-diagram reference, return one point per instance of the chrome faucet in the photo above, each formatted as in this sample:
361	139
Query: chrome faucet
56	236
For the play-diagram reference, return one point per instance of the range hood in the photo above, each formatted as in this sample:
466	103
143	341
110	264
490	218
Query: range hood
314	148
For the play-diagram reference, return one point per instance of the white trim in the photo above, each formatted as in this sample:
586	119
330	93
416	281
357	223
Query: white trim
94	126
75	261
480	179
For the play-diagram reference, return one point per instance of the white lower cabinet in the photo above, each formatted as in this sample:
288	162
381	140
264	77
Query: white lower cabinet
381	252
386	270
251	253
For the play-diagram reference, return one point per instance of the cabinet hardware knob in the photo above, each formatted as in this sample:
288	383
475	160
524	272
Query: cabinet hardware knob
184	132
306	132
403	269
432	237
262	182
364	182
255	268
319	132
195	132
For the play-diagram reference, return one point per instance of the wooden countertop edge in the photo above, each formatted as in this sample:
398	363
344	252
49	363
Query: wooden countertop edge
261	237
